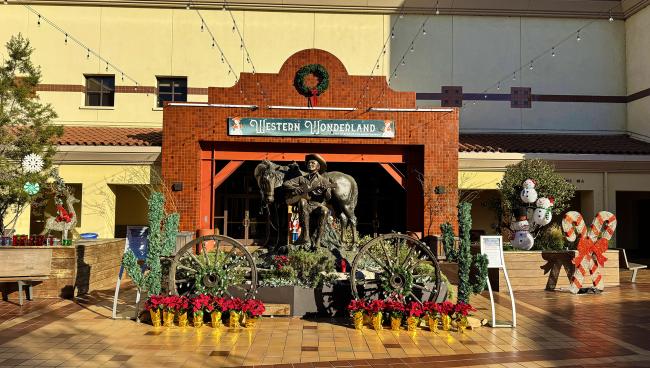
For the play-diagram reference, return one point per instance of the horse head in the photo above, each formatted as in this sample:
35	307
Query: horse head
268	178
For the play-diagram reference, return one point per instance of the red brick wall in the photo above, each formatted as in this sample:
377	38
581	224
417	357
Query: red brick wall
186	128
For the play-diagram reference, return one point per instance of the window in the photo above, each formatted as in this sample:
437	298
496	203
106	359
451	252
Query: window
173	89
100	90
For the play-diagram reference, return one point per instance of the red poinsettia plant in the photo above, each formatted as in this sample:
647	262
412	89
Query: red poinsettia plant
232	304
375	307
430	309
154	302
445	308
215	304
280	261
463	309
395	308
200	303
253	308
414	309
356	305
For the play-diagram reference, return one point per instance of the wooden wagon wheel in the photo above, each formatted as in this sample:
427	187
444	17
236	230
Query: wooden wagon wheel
213	264
395	265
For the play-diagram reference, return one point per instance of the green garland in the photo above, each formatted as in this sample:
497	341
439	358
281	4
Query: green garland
448	242
319	71
464	254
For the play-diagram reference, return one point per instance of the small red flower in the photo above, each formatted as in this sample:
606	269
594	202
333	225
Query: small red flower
414	309
463	309
375	306
357	305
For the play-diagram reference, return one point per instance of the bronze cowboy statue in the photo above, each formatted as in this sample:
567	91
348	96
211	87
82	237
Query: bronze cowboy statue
310	193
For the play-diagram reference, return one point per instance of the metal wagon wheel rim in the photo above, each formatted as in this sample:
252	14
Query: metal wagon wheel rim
387	266
214	271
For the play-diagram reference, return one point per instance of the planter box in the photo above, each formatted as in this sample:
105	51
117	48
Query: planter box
84	267
548	270
328	301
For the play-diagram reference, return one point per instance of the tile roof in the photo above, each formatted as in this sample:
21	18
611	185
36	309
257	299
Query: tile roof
620	144
516	143
106	136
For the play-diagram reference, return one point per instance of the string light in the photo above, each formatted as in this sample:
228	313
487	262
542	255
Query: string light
611	19
498	86
412	49
88	54
424	32
437	9
531	65
106	67
201	26
403	62
553	51
189	4
392	35
578	38
66	39
213	43
39	20
514	76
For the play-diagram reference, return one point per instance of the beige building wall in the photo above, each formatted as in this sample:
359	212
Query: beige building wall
471	51
637	31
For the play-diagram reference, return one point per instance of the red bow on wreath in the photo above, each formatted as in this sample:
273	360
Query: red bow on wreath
63	214
313	99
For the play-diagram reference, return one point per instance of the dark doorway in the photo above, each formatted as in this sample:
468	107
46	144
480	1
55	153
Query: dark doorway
632	218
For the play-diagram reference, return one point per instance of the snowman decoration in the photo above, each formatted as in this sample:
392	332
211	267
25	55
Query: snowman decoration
541	215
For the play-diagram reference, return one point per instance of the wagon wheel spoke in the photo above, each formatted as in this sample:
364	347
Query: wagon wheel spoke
420	287
380	264
194	258
415	297
181	266
204	251
408	256
383	247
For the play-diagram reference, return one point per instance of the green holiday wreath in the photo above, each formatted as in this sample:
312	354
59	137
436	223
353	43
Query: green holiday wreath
319	71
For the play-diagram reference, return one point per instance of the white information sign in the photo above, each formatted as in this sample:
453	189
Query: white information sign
492	247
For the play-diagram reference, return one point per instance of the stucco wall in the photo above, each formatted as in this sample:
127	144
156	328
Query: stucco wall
637	29
473	52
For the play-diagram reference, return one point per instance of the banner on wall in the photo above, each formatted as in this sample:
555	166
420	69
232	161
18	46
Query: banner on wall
326	128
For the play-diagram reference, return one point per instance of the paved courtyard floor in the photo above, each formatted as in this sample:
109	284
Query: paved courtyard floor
554	329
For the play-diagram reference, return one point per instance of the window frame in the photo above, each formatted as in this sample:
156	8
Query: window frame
175	96
105	90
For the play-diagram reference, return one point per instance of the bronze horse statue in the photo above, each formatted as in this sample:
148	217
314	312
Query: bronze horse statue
345	192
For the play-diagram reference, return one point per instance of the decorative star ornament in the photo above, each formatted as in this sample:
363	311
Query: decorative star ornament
31	188
32	163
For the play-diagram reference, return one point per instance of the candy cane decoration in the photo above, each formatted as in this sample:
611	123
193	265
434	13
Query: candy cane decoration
573	225
591	245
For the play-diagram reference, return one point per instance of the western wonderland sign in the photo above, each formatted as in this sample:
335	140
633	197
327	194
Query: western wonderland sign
279	127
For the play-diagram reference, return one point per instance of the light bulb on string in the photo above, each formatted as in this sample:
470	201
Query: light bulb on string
66	39
224	6
213	42
437	9
514	76
187	6
403	62
424	32
412	49
553	52
241	45
578	38
401	16
377	67
202	27
222	60
39	20
233	28
498	86
88	54
122	77
392	35
106	69
531	65
611	18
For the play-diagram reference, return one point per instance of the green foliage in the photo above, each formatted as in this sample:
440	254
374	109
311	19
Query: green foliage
227	269
450	290
316	69
311	267
552	238
25	127
549	184
464	255
448	242
162	242
481	265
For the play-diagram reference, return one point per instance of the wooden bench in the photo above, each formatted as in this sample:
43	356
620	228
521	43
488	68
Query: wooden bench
24	265
623	263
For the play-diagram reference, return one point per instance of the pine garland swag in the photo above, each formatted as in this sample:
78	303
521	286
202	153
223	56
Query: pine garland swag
464	254
319	71
162	242
448	241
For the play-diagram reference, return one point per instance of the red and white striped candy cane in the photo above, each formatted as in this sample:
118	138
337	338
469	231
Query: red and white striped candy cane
600	238
574	226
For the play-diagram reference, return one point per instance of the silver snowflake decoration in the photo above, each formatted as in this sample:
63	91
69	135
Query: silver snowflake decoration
32	163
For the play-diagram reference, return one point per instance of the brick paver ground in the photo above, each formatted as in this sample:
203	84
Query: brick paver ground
554	329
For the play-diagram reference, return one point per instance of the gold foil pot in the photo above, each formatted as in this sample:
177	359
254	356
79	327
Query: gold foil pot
197	320
215	317
182	319
251	321
446	323
377	320
358	318
395	323
462	324
433	324
233	321
412	323
168	318
155	317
